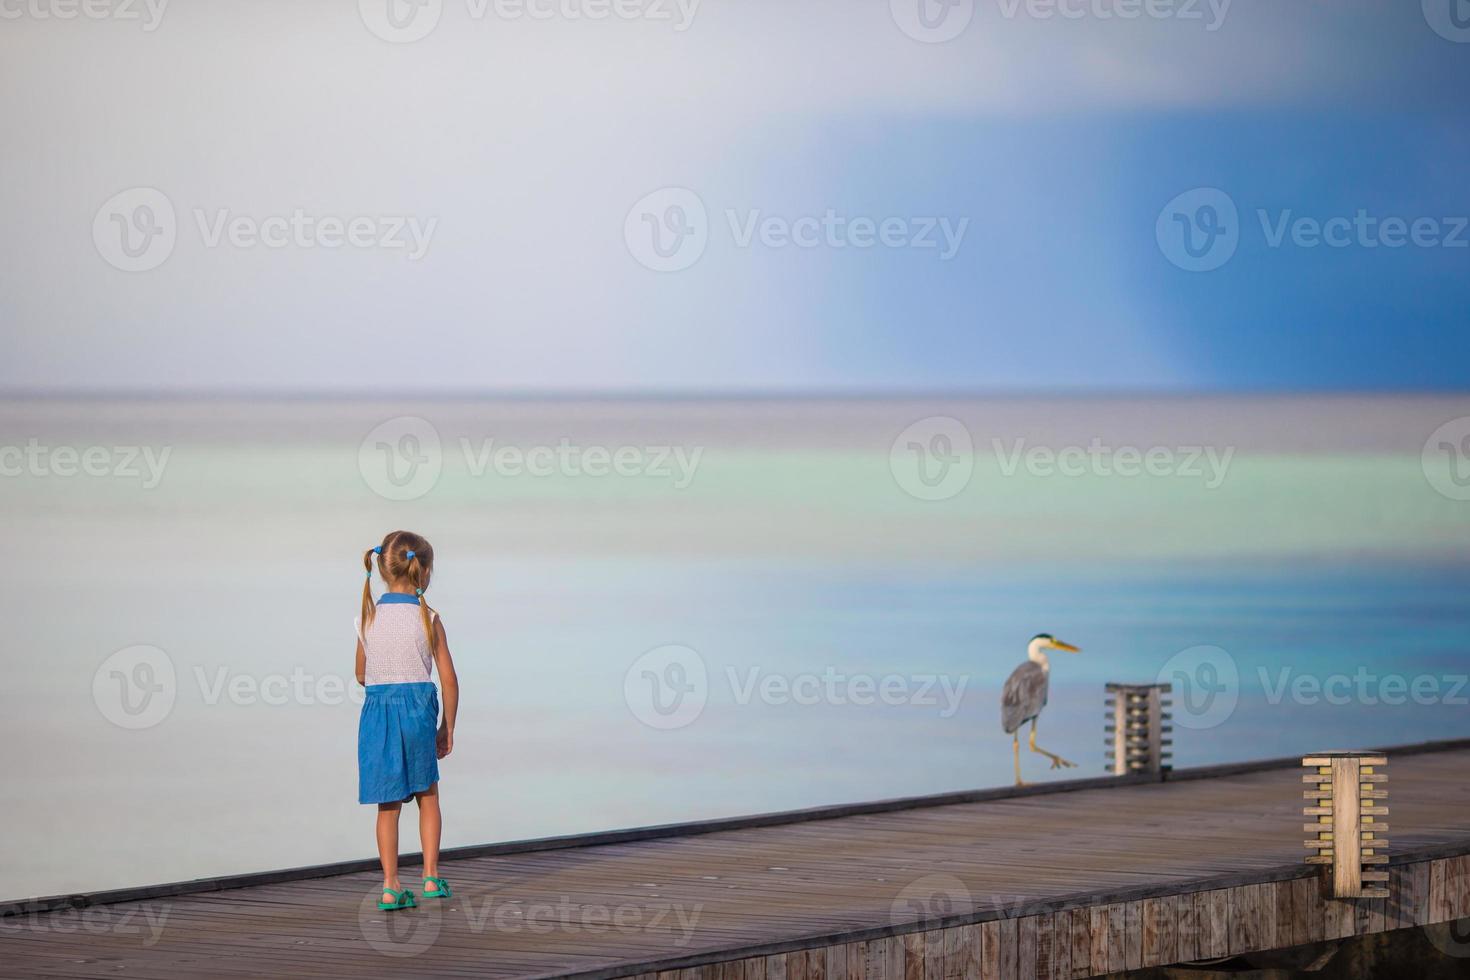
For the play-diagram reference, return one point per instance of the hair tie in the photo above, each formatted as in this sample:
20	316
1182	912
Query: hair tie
418	591
410	555
378	549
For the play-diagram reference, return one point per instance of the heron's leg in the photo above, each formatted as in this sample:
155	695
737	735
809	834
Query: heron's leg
1016	753
1057	762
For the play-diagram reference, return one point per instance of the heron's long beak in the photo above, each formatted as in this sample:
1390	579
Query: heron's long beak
1066	646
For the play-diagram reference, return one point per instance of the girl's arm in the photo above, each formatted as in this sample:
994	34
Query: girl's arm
361	665
449	683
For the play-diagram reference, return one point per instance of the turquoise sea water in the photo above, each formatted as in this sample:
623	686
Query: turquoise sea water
1310	591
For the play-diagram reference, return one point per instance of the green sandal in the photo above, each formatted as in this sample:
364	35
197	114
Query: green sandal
441	888
401	900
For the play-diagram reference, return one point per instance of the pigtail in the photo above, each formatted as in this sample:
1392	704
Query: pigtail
368	608
419	574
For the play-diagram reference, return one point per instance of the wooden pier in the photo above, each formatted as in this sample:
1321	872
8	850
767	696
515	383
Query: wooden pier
1062	880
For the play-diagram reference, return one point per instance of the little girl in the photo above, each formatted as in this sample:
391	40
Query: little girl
397	745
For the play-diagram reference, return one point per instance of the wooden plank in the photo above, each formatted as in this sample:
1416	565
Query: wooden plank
1160	931
1133	935
1061	945
1346	829
1117	937
1457	886
935	941
1009	952
1439	899
1097	941
1408	903
776	967
1188	912
913	956
990	950
1082	943
1026	948
836	963
1045	956
1213	908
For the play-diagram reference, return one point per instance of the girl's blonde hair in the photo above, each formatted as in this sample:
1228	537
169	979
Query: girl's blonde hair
402	555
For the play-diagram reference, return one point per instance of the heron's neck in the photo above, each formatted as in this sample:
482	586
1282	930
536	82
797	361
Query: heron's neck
1038	656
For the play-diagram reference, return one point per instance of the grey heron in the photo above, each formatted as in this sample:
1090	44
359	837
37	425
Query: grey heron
1024	695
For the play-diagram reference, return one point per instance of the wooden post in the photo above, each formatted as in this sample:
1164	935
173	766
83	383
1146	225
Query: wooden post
1346	803
1138	729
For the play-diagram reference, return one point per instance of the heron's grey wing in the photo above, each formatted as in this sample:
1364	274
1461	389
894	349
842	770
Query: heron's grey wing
1023	697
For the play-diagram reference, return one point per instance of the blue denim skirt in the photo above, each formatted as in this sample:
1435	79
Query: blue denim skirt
396	754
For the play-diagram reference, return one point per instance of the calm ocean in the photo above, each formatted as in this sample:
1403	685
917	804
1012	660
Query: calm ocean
666	610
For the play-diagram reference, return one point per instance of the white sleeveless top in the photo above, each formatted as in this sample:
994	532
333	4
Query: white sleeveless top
397	649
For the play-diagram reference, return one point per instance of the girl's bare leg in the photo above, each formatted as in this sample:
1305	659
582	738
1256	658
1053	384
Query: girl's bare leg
430	828
388	846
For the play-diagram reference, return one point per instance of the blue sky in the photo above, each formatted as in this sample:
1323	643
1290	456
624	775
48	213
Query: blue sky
526	149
